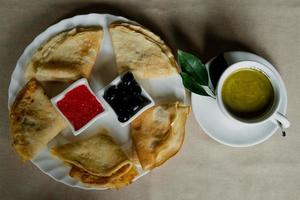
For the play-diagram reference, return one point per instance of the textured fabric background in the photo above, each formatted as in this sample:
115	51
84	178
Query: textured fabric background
203	169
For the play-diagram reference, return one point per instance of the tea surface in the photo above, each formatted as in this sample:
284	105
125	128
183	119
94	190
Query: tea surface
247	93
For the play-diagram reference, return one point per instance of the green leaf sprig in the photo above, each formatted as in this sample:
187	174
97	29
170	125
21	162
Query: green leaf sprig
194	74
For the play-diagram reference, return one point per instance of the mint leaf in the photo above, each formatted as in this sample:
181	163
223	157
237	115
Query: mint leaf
192	65
191	84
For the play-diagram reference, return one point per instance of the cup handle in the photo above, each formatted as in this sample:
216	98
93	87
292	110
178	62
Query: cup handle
281	120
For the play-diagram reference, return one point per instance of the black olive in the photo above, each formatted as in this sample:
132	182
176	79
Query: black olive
131	104
135	108
112	90
131	85
123	118
127	83
125	100
119	110
123	89
144	101
127	77
136	90
133	100
111	98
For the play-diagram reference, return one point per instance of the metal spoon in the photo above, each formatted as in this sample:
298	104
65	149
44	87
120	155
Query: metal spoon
282	130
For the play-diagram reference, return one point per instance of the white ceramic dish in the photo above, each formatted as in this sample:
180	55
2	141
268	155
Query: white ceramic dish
144	93
59	97
227	131
160	89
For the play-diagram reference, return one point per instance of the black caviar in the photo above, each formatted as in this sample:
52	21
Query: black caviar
126	97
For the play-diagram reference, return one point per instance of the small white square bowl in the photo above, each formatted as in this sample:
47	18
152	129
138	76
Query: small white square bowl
144	93
77	83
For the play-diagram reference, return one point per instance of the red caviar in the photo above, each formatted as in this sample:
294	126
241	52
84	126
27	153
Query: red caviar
79	106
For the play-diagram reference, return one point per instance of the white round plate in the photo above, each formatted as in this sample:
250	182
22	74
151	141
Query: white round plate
222	129
104	71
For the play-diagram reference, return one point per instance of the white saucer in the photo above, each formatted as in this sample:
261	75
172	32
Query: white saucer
222	129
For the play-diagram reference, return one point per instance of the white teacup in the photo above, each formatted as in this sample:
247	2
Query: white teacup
272	114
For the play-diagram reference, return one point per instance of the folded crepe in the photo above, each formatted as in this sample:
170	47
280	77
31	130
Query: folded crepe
67	56
158	133
33	121
142	52
97	161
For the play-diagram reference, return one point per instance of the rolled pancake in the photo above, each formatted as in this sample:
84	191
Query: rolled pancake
67	56
142	52
33	121
114	181
97	161
158	133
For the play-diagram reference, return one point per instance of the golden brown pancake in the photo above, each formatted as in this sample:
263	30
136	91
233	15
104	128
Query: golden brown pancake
67	56
33	121
158	133
114	181
97	161
142	52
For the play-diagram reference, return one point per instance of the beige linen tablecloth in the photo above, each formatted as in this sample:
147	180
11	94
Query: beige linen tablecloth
203	169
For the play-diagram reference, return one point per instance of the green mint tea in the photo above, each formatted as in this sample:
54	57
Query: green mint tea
247	94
